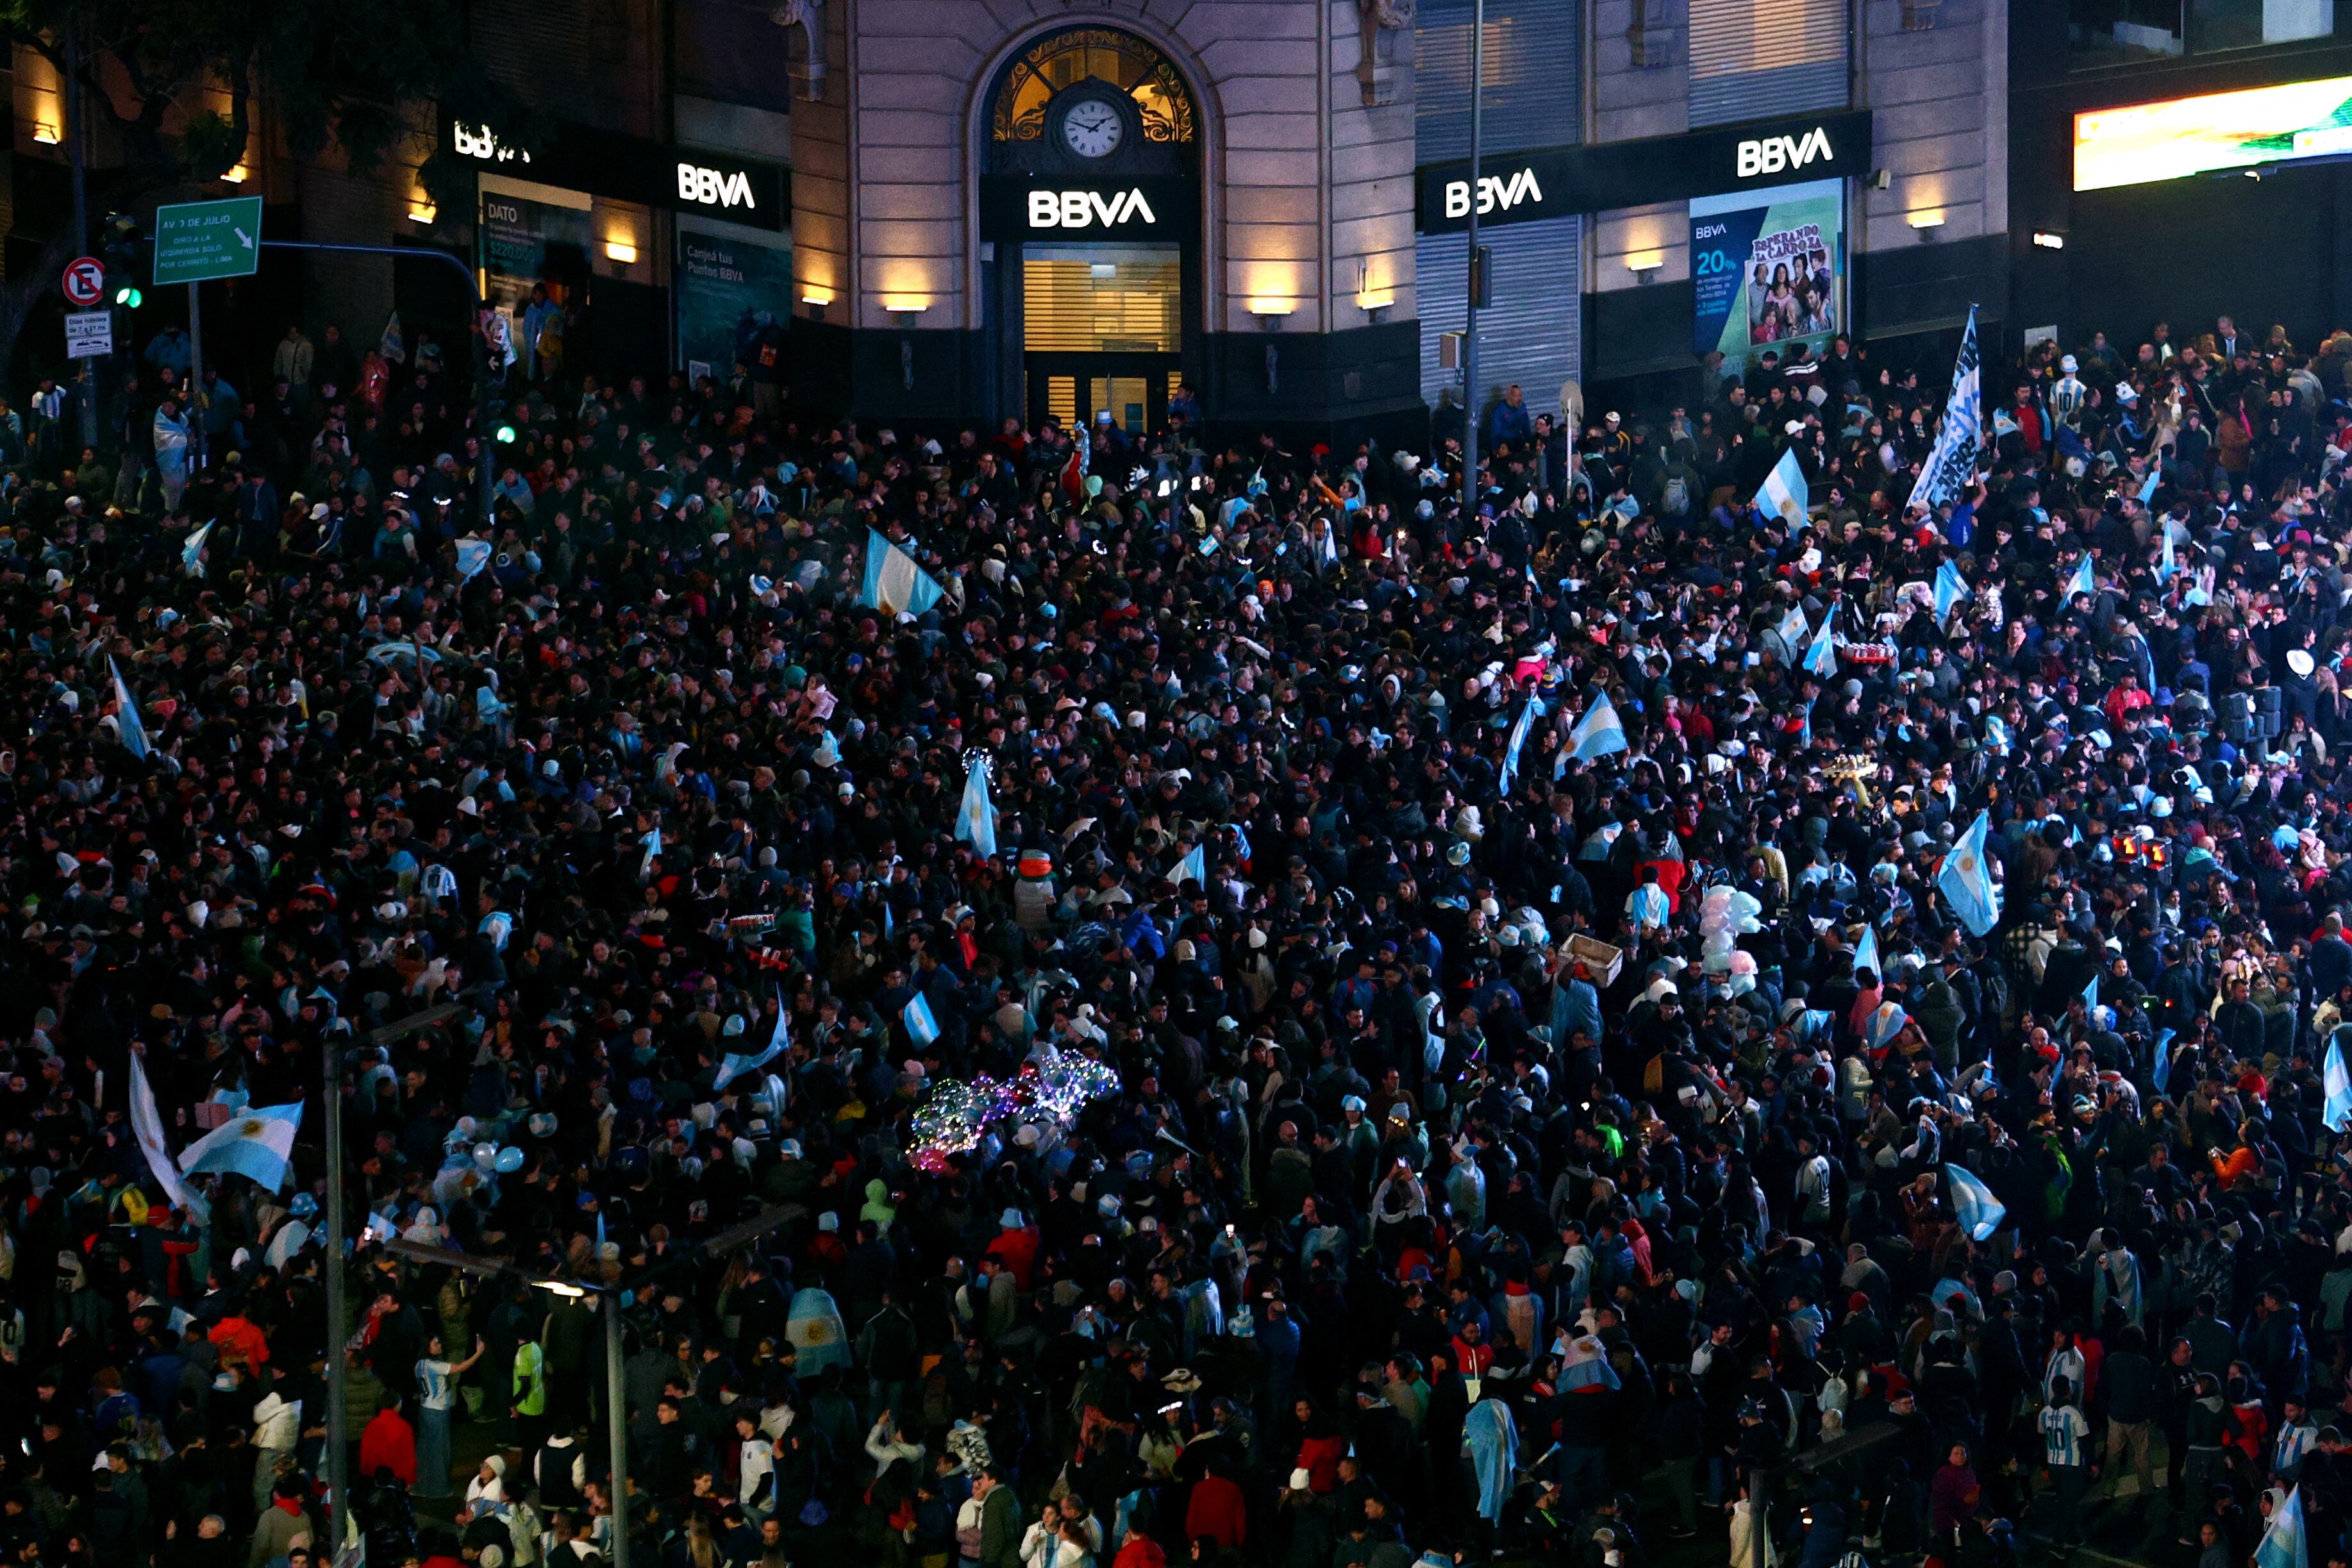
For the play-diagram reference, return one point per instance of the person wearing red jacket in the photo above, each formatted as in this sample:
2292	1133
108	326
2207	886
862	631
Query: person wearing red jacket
389	1443
1217	1512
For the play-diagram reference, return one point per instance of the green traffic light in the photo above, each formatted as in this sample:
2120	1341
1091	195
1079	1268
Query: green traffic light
128	297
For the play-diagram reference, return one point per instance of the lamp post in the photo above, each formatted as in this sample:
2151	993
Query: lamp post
1471	272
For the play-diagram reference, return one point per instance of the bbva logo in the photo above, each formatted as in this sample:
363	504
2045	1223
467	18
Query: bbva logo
708	187
1084	209
1503	191
1770	154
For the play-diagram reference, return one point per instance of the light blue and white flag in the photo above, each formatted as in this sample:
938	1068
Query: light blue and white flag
1950	589
922	1027
1599	732
2084	581
1528	716
1866	953
894	583
1821	657
191	553
257	1145
976	818
1997	735
738	1063
2091	995
473	554
1193	867
653	849
2165	563
1980	1212
1794	629
126	715
1951	465
1785	493
2160	1071
1241	849
2284	1544
148	1124
1805	734
2339	1088
1966	879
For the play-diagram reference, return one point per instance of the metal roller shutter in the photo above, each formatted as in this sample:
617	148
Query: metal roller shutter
1749	59
1531	76
1532	334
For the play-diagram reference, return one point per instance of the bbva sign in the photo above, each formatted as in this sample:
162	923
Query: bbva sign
1770	154
1495	190
1088	210
713	187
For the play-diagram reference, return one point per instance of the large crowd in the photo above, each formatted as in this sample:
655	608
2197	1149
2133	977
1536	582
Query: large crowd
1318	1097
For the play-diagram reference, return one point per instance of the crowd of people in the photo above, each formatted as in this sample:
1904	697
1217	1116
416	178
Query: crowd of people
1534	1095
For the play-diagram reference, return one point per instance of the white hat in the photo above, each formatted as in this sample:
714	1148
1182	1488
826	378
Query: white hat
2067	362
2299	661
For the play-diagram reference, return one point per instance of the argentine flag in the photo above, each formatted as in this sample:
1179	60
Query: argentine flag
2339	1088
1950	589
1821	657
2084	581
147	1125
126	715
976	818
2161	1069
1599	732
191	553
653	848
738	1063
473	554
2091	996
1966	880
1528	716
1980	1212
2165	564
1794	629
1866	953
893	582
1785	493
922	1028
2284	1544
1193	867
258	1145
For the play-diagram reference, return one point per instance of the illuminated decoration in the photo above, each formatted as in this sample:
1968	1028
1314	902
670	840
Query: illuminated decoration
1054	1085
2142	143
1098	54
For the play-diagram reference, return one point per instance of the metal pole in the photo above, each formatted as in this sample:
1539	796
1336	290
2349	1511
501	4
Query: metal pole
86	394
338	1480
1470	274
195	378
616	1421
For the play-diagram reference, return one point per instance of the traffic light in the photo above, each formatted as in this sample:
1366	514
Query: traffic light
505	432
127	295
118	246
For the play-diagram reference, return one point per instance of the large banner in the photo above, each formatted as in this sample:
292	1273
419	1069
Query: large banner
722	286
1768	269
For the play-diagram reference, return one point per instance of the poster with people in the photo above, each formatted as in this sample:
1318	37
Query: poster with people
1768	268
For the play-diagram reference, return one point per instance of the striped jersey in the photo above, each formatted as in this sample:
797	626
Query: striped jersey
2063	1431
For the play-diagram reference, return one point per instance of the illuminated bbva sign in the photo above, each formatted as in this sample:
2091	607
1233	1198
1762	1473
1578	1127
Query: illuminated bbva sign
1089	209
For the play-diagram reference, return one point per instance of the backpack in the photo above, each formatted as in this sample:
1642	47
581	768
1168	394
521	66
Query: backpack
1676	500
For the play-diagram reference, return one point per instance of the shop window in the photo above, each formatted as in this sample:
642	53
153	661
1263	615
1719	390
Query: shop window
1102	299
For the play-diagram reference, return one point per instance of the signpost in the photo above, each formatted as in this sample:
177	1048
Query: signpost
89	335
194	243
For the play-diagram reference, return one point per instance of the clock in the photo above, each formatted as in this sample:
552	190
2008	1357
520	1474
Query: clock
1093	128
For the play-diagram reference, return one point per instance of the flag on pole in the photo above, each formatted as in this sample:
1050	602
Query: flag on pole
191	553
1951	465
2161	1069
2284	1544
149	1126
473	554
976	818
1950	589
258	1145
2091	995
1866	953
922	1026
1193	866
1599	732
1528	716
1785	493
2166	564
1821	657
653	851
2339	1088
894	583
2084	581
1794	629
1966	880
1979	1210
738	1063
126	715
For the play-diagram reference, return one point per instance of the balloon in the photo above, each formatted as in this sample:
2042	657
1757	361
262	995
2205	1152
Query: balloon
486	1157
510	1160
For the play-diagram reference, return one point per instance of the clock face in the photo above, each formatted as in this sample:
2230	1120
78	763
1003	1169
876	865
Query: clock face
1093	129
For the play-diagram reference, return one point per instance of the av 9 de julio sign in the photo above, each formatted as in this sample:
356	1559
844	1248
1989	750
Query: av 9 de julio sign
198	241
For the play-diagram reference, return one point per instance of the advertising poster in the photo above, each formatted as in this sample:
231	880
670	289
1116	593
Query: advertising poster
722	284
1768	269
516	234
2138	142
